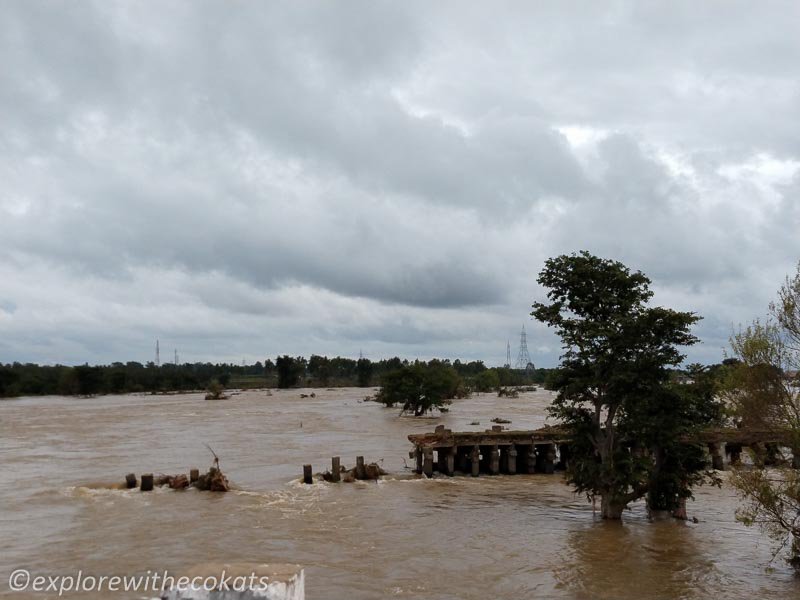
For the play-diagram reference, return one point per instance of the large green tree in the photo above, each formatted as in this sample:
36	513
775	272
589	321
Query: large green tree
613	371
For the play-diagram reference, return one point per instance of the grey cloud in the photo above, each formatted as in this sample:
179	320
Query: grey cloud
381	174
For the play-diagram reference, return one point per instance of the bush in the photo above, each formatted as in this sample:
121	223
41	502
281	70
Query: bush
486	381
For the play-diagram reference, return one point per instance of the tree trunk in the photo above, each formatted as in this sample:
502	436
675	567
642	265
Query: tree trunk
680	511
611	507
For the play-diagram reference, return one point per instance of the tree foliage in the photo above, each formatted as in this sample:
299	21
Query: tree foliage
763	391
612	381
364	372
290	370
420	388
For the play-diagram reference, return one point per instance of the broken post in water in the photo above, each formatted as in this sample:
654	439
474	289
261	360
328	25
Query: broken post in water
147	483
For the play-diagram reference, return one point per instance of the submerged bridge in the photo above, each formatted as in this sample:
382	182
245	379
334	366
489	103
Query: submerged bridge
547	450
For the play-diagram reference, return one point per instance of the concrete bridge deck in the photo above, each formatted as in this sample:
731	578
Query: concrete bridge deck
547	449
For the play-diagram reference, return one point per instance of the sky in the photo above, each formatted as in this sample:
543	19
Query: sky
245	179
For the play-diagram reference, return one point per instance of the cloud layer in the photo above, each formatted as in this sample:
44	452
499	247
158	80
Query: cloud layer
242	180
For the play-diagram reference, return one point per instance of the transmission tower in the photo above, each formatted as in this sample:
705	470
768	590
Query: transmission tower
523	358
176	357
508	355
158	355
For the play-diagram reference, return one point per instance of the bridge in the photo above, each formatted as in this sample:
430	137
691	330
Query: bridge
547	450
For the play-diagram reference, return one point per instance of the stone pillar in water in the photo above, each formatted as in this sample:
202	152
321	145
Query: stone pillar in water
759	454
462	458
494	460
512	460
336	468
717	462
427	463
735	451
772	457
475	459
418	460
269	582
449	466
308	476
146	484
531	460
545	458
563	457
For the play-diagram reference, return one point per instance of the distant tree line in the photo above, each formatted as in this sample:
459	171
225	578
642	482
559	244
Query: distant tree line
18	379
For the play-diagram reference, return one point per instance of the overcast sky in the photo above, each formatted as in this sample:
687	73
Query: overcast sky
242	179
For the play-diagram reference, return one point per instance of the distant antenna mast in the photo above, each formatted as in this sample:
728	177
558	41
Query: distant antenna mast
508	355
176	357
523	358
158	355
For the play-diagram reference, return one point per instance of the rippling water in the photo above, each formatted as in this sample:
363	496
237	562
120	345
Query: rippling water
525	536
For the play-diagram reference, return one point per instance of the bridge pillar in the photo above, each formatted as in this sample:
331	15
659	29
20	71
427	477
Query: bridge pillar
511	460
735	450
563	457
545	458
717	462
462	459
427	462
550	459
475	459
772	456
494	460
418	459
530	460
759	454
449	461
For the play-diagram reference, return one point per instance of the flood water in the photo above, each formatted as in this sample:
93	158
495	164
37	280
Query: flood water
522	536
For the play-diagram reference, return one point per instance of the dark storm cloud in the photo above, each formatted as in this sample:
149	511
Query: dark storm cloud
259	178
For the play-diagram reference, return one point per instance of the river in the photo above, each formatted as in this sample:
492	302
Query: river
523	536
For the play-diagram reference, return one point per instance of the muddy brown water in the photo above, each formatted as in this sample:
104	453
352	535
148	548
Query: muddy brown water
524	536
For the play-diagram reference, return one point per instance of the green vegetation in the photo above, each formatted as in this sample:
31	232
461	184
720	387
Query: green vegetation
613	384
215	391
318	371
486	381
422	387
763	392
290	370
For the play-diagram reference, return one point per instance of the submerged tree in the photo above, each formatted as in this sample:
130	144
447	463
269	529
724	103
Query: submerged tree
612	380
420	388
764	393
290	370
